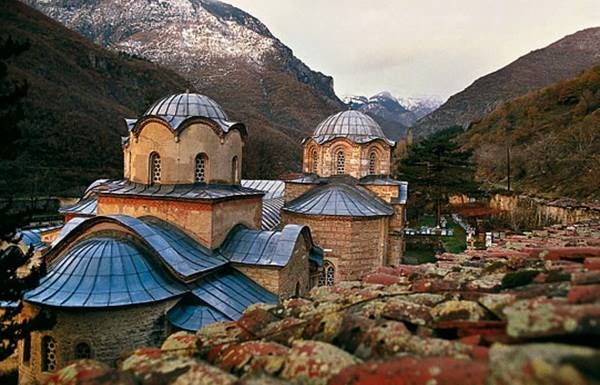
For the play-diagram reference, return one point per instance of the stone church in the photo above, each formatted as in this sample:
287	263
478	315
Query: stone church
176	244
182	241
354	209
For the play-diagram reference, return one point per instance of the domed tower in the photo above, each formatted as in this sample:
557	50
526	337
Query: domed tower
348	143
183	139
182	164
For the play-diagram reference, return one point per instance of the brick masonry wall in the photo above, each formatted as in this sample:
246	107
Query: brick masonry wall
294	190
108	331
208	222
283	281
357	246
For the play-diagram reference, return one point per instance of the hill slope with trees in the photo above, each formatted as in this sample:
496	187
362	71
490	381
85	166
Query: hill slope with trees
553	136
77	95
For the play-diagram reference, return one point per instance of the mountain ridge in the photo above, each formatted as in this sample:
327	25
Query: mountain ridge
539	68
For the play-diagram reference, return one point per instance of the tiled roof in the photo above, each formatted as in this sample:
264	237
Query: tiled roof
339	199
521	312
353	125
104	272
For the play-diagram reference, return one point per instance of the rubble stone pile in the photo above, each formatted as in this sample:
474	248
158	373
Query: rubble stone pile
525	311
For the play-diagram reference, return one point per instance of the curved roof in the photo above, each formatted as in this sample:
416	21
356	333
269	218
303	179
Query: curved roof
181	254
339	199
353	125
193	315
186	105
264	248
177	109
102	272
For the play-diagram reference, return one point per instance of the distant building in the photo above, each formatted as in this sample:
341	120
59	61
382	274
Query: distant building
176	244
354	209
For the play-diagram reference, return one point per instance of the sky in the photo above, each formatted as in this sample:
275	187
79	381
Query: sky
418	47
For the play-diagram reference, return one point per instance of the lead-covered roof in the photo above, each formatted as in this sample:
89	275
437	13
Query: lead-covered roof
352	125
339	199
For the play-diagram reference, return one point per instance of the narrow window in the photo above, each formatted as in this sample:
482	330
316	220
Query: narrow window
235	169
48	354
327	274
83	351
372	163
315	162
201	168
340	163
154	168
297	290
27	348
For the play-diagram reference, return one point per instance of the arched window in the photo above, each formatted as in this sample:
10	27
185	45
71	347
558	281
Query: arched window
83	351
327	274
154	168
372	163
340	162
235	169
297	290
201	169
315	162
48	354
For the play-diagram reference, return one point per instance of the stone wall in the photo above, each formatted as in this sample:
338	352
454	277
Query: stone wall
108	332
524	212
386	193
208	222
178	153
355	246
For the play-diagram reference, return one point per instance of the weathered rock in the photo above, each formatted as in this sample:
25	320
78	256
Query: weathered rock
585	278
314	362
214	337
592	263
414	371
542	364
497	302
434	285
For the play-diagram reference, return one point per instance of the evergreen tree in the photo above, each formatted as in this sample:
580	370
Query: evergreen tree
437	168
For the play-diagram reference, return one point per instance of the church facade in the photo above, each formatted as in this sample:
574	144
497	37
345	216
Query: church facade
176	244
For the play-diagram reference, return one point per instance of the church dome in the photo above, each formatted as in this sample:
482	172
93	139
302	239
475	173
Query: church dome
187	105
353	125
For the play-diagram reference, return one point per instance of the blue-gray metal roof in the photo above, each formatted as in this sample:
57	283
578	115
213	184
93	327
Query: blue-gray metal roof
339	199
103	272
181	253
180	191
87	207
179	108
192	315
231	292
271	213
272	201
271	188
186	105
264	248
353	125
